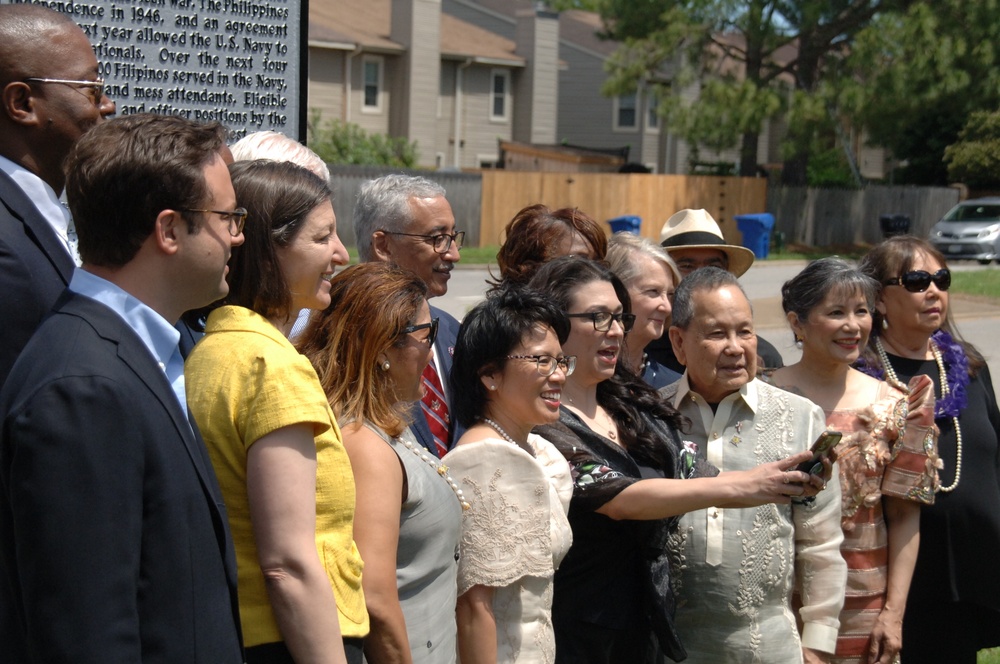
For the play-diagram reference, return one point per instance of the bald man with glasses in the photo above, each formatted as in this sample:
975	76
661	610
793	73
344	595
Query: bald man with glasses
50	94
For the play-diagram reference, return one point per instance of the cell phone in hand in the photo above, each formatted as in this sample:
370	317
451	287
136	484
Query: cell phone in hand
821	448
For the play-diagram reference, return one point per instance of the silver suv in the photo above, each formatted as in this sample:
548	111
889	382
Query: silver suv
970	231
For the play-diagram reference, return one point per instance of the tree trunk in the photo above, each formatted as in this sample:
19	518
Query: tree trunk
748	155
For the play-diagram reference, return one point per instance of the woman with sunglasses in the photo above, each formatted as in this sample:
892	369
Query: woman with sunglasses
369	348
631	477
953	608
273	440
886	459
507	378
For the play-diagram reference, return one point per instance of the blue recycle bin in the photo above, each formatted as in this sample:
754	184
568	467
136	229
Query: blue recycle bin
756	230
626	224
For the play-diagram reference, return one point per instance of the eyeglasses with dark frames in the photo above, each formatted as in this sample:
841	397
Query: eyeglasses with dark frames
236	218
440	241
917	281
546	364
432	326
602	320
97	85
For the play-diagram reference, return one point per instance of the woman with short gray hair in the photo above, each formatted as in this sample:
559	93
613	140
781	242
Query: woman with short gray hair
650	276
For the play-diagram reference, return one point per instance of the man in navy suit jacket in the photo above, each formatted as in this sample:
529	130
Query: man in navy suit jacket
40	120
114	543
407	221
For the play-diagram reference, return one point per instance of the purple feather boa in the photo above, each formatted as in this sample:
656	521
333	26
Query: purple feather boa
957	373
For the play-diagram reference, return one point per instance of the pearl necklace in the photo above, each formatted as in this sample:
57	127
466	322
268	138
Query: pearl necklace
441	469
945	390
503	434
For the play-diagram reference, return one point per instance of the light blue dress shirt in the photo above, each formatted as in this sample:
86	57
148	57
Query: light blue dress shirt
159	336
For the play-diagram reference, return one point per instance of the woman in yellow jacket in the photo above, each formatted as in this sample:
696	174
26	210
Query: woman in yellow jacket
275	445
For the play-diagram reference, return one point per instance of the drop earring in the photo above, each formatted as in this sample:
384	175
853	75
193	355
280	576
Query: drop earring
798	342
885	323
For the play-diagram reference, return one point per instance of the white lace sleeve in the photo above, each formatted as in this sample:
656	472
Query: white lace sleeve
505	535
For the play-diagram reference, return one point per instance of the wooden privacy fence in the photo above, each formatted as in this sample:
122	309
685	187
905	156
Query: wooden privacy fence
462	189
605	196
826	217
484	202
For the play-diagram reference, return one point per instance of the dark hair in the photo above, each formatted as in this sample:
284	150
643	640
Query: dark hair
122	173
370	304
625	396
488	334
278	196
532	236
893	257
703	279
807	290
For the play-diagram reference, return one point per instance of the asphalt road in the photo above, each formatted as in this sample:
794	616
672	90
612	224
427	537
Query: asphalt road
978	322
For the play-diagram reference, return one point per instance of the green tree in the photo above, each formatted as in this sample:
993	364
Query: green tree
746	55
975	158
916	77
338	142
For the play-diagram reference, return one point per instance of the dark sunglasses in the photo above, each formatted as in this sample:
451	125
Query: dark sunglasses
431	336
917	281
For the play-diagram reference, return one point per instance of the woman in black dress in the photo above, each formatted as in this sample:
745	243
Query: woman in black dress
953	609
631	477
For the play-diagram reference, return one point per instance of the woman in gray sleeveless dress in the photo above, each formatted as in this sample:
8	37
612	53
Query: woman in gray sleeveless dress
369	349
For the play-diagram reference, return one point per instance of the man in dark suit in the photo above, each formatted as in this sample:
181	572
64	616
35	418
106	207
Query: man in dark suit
50	93
114	545
407	221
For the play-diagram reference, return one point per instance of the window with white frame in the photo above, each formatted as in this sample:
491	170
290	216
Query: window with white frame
371	69
626	114
499	94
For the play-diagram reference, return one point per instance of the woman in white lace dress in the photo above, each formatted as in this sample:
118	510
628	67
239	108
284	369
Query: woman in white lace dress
507	377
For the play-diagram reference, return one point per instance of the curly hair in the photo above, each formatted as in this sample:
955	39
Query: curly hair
534	235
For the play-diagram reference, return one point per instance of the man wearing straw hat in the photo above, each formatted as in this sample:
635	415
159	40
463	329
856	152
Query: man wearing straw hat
694	240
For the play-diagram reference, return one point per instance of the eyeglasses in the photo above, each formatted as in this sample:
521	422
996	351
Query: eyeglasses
433	326
236	218
442	241
917	281
602	320
97	86
546	364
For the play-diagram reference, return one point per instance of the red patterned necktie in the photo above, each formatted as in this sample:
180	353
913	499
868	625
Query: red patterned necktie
435	408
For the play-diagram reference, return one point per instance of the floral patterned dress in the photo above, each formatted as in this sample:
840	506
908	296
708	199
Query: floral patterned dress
887	450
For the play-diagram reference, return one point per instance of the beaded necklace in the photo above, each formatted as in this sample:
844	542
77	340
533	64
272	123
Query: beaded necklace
503	434
441	469
945	391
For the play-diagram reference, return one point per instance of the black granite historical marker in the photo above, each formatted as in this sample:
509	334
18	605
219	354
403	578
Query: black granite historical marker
239	62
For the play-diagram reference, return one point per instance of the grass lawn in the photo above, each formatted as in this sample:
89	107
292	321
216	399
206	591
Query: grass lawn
991	656
983	283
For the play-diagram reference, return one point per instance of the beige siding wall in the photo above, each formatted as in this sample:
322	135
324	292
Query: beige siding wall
445	114
416	25
535	100
371	120
326	83
479	133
